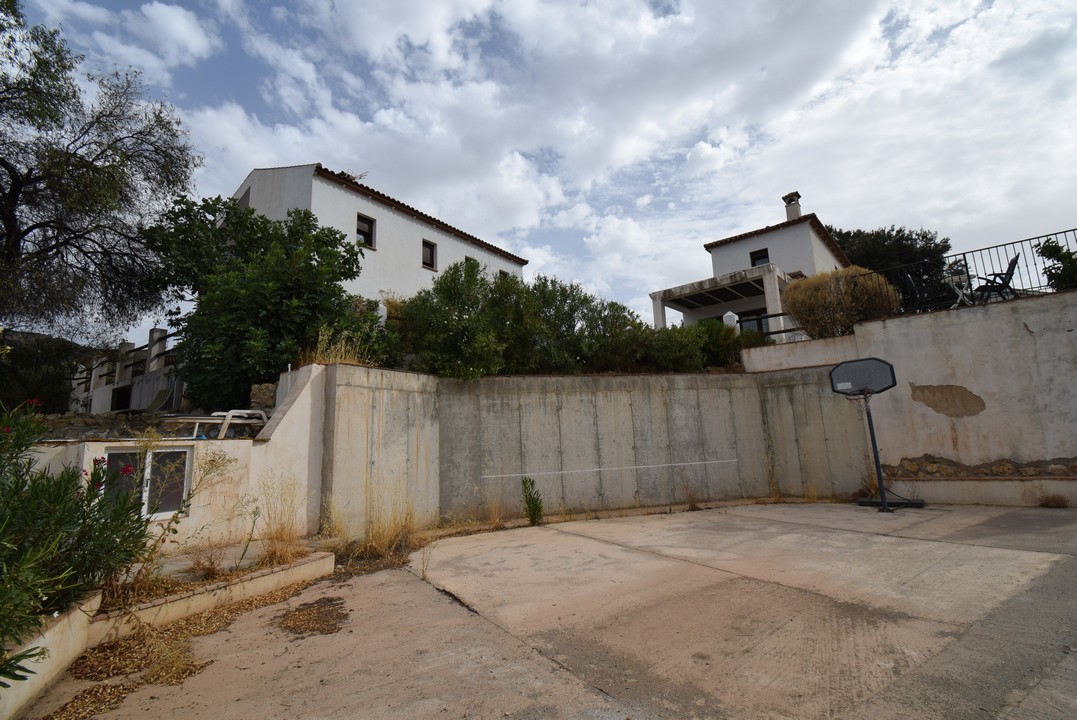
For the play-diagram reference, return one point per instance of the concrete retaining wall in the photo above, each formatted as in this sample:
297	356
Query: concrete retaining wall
596	443
975	384
381	440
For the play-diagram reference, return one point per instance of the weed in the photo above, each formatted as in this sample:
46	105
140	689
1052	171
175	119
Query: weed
689	496
424	558
811	493
280	536
1054	500
207	559
532	501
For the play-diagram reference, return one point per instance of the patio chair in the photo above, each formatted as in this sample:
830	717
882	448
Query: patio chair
912	297
998	283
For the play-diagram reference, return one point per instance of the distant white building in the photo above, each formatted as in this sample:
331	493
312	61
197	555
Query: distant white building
404	248
751	270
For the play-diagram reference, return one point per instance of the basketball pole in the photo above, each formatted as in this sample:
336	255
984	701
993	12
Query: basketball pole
866	396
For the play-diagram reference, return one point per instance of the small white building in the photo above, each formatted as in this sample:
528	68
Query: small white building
403	248
751	270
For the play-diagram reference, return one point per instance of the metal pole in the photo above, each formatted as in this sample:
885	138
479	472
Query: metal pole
875	452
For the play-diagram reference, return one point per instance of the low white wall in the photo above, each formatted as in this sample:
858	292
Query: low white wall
65	638
802	354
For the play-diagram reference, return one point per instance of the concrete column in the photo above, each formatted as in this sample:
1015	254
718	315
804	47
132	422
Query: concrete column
157	346
730	319
773	297
98	375
659	313
123	360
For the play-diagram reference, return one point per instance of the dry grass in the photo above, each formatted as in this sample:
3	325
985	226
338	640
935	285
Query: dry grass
391	534
207	559
352	348
829	304
151	655
811	493
281	543
394	533
689	496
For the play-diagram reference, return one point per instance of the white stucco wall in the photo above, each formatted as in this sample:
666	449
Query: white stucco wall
394	265
275	191
791	248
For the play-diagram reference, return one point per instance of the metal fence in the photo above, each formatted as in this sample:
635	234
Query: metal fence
965	278
1001	272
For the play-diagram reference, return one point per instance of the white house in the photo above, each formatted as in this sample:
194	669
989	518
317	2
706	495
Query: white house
404	248
751	270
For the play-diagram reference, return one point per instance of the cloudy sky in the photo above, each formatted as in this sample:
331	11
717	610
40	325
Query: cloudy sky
608	140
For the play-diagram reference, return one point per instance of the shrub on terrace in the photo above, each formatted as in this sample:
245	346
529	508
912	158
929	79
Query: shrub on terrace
830	304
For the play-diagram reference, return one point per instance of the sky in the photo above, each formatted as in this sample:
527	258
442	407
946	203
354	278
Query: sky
606	141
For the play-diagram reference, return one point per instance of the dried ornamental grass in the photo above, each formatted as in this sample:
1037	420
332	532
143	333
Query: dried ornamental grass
829	304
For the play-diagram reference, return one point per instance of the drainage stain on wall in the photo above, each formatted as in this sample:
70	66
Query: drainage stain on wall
950	400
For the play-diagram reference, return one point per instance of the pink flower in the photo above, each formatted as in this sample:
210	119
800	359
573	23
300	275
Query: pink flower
126	470
34	402
7	428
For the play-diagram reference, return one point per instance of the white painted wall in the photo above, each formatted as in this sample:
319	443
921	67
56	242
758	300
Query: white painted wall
791	248
394	265
275	191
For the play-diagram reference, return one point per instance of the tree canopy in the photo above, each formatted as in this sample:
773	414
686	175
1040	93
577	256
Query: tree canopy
885	248
81	172
263	291
469	325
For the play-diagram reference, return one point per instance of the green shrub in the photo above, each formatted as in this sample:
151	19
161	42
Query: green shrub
532	501
830	304
61	534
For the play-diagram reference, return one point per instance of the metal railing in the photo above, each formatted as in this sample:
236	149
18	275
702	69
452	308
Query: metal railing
977	276
960	279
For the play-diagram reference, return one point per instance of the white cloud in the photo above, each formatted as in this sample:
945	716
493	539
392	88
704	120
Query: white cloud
607	144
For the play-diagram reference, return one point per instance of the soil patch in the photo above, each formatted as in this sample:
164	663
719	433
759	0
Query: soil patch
323	616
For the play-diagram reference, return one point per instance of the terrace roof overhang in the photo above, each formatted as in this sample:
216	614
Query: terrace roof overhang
712	291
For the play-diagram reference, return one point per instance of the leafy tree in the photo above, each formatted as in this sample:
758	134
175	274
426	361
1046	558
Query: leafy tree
41	367
1061	272
264	289
80	173
886	248
452	328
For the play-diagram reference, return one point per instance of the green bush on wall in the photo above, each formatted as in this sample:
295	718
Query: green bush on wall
831	303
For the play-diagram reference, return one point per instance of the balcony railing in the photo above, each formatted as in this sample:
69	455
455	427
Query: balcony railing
978	276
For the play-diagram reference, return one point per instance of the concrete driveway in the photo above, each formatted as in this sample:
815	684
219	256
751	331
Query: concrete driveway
751	611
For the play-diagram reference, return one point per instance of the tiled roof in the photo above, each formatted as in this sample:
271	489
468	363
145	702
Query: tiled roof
810	218
349	181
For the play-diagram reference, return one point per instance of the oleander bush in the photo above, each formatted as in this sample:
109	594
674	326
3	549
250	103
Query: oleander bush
61	534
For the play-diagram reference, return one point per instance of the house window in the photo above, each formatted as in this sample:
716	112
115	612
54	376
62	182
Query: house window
162	475
430	255
364	231
503	273
469	259
759	257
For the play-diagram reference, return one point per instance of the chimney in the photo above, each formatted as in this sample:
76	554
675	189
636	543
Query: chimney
792	205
